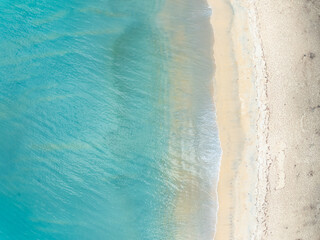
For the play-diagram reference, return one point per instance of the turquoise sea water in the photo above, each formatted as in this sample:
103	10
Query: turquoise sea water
107	125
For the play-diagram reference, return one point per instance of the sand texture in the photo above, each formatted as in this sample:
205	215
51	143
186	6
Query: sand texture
290	35
234	92
267	95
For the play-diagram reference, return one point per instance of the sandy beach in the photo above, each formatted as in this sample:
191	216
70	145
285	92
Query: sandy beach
266	90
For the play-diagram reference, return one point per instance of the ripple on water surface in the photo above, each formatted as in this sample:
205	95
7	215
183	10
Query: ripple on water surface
106	120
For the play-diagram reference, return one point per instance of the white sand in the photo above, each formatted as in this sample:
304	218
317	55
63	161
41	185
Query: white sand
267	94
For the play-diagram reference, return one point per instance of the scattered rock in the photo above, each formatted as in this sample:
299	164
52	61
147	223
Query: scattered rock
315	107
312	55
310	174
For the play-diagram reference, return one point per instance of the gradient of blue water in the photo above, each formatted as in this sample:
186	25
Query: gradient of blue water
85	120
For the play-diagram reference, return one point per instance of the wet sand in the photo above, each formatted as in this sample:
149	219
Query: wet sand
267	95
234	95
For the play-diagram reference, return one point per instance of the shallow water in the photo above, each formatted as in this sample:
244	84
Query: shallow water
106	120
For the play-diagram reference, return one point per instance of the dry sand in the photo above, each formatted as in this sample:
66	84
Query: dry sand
267	94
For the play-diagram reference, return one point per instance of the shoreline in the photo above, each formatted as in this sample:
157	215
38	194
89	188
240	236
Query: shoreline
267	100
234	97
